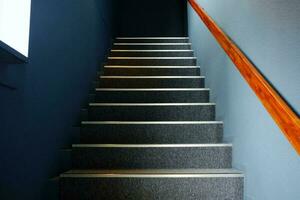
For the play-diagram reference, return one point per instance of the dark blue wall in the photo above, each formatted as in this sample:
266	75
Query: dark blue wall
69	40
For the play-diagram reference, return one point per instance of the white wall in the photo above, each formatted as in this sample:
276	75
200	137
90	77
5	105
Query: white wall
15	23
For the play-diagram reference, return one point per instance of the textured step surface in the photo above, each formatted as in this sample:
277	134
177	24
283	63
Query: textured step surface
153	61
152	46
152	40
152	70
150	95
152	53
153	184
151	112
151	82
189	156
151	132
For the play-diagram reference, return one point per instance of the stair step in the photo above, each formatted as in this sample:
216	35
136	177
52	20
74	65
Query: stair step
151	70
158	156
151	82
150	131
147	132
146	95
151	53
152	184
151	111
152	40
152	46
154	61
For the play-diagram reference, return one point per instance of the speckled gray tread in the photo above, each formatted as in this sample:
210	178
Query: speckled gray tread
160	112
148	82
151	71
184	184
152	53
149	46
154	40
153	61
90	156
151	133
150	96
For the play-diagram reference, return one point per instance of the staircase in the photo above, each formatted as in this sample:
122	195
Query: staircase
150	130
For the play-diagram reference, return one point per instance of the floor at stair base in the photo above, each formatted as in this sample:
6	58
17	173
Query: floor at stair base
149	157
117	133
118	112
208	188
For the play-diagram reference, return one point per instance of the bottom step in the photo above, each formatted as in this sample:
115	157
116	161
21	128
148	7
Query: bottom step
152	184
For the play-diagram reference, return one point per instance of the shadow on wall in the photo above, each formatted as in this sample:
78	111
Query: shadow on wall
68	42
151	18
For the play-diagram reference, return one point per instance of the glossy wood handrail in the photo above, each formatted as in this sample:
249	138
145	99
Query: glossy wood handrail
281	112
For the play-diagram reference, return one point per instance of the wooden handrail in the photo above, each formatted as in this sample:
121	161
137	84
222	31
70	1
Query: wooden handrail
287	120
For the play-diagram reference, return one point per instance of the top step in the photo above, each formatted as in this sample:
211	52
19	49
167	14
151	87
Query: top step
152	40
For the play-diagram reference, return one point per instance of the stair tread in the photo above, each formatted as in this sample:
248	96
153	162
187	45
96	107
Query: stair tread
150	145
149	58
152	104
152	89
152	122
150	82
152	77
152	43
149	67
152	37
154	50
157	172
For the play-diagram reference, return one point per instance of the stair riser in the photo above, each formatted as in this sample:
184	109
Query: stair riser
152	113
160	40
152	47
151	134
152	71
151	83
152	54
152	188
152	158
153	62
151	96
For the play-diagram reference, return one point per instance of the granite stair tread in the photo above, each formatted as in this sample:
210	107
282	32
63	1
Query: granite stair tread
155	172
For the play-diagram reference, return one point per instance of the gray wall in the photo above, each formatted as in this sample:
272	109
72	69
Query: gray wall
268	31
